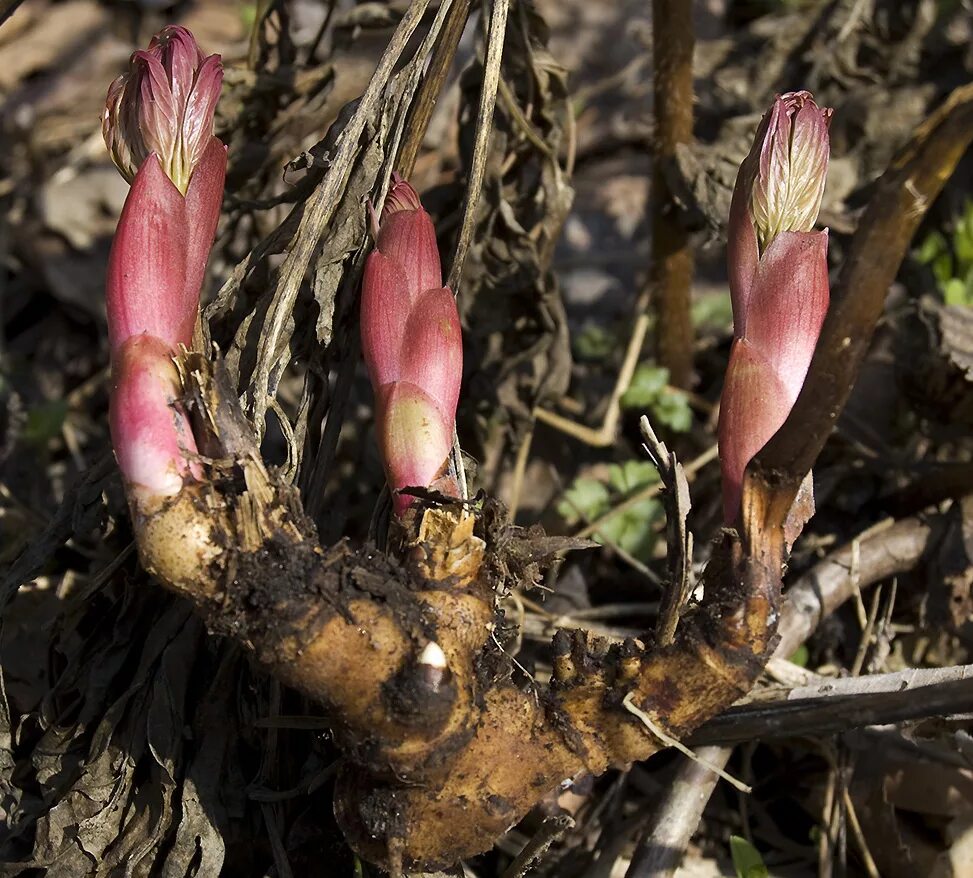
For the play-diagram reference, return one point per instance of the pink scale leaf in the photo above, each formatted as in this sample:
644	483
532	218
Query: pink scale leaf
408	238
385	309
150	432
432	348
204	198
788	305
753	406
741	254
147	265
413	436
197	126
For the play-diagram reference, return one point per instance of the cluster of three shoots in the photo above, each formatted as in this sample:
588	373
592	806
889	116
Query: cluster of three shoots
158	125
159	129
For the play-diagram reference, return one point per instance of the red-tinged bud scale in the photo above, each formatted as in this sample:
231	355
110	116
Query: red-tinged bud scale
158	126
414	437
412	343
778	270
159	253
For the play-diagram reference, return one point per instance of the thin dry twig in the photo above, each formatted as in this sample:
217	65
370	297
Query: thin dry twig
604	435
672	256
883	551
834	706
867	859
660	852
484	127
519	471
690	470
679	540
551	830
829	806
281	863
622	554
867	632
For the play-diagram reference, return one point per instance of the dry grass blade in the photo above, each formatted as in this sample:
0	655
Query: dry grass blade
679	541
551	830
432	84
605	435
484	125
8	8
319	211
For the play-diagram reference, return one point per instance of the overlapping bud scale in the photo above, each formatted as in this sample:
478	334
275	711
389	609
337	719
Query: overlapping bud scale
412	343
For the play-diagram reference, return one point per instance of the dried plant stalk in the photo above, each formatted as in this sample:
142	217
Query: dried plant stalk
672	256
432	85
484	126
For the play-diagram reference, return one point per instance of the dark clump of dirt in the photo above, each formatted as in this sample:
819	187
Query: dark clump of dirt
284	591
265	596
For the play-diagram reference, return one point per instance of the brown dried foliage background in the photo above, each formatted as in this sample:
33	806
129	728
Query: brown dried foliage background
131	737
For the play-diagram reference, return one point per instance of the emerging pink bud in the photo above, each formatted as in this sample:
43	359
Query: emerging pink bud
778	272
779	187
164	105
158	126
414	437
413	346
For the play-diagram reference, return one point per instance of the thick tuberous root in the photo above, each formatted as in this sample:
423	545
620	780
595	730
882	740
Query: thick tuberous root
445	748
